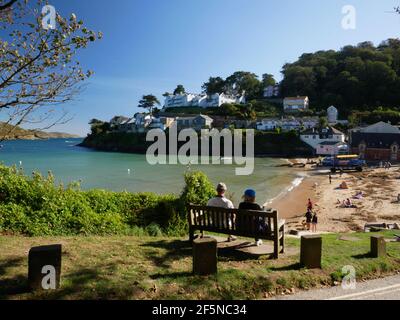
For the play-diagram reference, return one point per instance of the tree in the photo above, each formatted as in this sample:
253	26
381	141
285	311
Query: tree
96	126
268	80
149	102
244	82
323	122
38	67
214	85
179	90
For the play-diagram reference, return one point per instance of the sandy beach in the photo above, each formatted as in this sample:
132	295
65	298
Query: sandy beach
378	203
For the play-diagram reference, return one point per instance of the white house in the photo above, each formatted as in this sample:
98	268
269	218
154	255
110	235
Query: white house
314	137
287	124
269	124
201	100
181	100
332	148
292	104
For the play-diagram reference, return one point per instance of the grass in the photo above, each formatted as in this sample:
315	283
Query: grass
119	267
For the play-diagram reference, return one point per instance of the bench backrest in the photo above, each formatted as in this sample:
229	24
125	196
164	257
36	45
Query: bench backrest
245	223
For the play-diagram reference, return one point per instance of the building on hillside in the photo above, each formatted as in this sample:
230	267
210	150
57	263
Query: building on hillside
197	123
272	91
270	124
294	104
333	115
378	142
332	148
201	100
118	120
288	124
314	137
128	126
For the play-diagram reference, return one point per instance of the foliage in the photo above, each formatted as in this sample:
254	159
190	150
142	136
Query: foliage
149	102
39	69
370	117
179	90
360	77
198	189
36	206
214	85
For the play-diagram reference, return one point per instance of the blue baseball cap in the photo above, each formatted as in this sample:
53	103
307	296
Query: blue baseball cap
250	193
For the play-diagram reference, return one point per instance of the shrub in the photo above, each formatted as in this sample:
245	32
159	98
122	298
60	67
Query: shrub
35	206
198	188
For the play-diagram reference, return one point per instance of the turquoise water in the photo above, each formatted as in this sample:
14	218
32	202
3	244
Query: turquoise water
111	170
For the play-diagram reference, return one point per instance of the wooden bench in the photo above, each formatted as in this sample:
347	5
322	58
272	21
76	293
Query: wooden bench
242	223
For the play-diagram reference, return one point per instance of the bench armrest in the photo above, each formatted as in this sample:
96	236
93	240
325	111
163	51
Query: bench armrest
281	223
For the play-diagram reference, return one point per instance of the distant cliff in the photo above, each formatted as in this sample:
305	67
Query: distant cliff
8	132
267	144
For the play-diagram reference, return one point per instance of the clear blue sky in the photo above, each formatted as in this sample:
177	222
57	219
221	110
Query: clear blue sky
150	46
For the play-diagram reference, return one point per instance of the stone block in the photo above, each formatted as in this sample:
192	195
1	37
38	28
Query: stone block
311	251
205	256
378	247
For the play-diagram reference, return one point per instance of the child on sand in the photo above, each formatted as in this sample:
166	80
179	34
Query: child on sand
309	217
314	222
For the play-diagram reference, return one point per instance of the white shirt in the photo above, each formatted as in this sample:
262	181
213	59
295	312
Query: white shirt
221	202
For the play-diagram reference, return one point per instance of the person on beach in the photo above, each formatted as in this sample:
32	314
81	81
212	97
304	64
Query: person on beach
249	203
330	179
220	201
309	205
309	217
314	222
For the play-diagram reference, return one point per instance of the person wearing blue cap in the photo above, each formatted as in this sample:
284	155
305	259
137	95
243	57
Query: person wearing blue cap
249	203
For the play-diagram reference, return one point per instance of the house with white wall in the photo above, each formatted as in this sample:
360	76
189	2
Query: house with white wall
332	148
293	104
201	100
314	137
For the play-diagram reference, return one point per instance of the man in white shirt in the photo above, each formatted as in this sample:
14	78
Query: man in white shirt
220	201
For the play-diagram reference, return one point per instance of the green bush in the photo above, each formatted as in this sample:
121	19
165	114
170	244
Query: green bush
198	189
35	206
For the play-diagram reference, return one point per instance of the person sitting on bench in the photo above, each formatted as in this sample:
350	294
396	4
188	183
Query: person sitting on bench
220	201
249	203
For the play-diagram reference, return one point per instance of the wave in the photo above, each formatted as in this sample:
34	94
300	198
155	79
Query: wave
293	185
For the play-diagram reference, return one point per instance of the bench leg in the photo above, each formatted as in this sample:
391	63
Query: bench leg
191	236
276	248
282	241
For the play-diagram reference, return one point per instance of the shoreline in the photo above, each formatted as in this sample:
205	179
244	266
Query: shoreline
292	202
378	204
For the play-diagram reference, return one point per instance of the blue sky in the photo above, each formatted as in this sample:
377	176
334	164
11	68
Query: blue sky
150	46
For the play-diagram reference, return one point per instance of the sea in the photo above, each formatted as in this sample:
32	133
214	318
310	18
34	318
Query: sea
131	172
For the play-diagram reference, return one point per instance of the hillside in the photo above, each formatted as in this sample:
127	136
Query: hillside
7	132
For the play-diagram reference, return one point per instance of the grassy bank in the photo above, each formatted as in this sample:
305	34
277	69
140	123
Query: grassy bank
160	268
